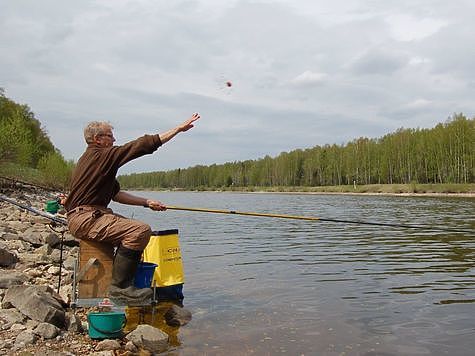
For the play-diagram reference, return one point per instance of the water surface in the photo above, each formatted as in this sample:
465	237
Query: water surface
270	286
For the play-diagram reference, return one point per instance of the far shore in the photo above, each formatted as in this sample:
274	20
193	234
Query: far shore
403	190
464	195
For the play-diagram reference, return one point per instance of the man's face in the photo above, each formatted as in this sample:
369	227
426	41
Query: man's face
105	139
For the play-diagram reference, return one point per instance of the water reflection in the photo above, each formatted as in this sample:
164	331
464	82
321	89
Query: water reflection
154	316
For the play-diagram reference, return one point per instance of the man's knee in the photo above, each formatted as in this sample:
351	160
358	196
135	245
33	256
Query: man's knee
139	239
146	234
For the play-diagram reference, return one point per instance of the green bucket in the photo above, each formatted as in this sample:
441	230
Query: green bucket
107	325
52	206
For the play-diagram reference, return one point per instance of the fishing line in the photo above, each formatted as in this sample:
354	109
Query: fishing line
311	218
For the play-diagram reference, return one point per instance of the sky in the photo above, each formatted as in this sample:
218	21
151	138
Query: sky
303	73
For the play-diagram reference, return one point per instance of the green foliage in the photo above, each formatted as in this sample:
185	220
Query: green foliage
26	150
410	157
22	140
55	170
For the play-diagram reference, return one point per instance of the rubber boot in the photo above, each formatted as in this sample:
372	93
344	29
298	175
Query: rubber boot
123	274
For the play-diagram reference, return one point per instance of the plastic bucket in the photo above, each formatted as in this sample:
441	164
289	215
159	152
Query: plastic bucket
144	275
106	325
52	206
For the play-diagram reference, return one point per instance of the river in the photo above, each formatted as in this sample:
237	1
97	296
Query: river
267	286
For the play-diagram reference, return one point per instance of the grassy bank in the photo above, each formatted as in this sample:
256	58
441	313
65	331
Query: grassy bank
434	189
413	188
30	175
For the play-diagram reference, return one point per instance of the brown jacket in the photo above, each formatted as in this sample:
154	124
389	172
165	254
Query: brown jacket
93	181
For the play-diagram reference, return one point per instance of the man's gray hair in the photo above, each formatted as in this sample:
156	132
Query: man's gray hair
95	128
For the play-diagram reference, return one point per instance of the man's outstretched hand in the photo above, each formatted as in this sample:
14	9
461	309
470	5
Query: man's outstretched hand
188	124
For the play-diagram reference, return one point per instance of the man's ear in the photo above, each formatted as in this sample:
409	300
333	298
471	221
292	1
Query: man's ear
96	139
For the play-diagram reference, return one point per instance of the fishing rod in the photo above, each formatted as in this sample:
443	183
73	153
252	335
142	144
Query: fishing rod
312	218
34	211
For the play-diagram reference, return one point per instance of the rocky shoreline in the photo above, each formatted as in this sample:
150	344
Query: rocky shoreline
36	289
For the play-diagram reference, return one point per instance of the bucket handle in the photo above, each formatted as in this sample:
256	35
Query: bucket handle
107	331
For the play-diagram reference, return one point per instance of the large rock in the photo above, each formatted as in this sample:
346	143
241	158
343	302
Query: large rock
176	316
18	226
24	338
12	316
69	263
33	236
7	258
149	338
34	258
46	330
16	246
36	302
69	240
73	323
13	278
51	239
11	236
108	345
44	250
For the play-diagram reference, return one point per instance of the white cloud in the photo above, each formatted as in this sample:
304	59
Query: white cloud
419	103
309	78
406	27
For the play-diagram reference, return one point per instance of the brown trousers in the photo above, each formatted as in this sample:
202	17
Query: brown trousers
101	224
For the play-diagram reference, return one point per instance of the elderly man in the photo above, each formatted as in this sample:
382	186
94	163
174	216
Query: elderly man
94	185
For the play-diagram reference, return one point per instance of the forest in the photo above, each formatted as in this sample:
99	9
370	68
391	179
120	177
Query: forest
26	151
439	155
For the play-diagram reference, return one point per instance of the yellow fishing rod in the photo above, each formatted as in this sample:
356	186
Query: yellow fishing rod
313	218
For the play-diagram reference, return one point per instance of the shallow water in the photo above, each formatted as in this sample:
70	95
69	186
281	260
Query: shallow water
269	286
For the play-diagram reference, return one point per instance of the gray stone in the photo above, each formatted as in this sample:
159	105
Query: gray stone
73	323
12	278
24	338
17	246
149	338
10	236
12	316
51	239
108	345
66	291
40	220
44	250
55	256
7	258
54	270
17	327
33	272
69	240
176	316
69	263
6	229
46	330
18	226
33	258
31	324
33	237
36	302
129	346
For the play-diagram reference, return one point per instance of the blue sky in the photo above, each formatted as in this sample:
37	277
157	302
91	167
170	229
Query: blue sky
304	73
